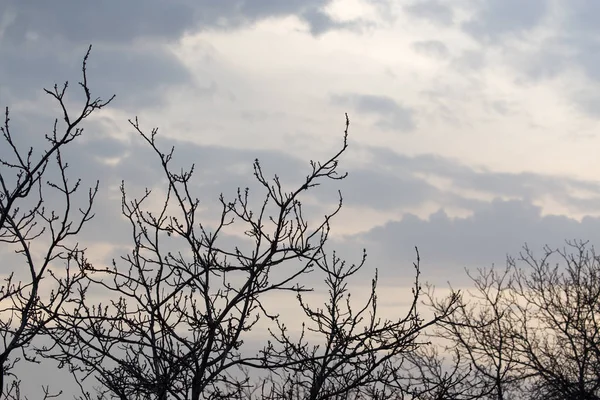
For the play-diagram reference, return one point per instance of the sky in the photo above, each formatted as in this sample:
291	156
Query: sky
472	122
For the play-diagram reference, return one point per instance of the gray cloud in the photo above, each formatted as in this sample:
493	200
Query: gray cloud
319	22
217	170
495	229
386	190
495	18
43	42
93	156
431	10
569	43
449	245
138	75
391	181
392	116
575	45
119	22
129	59
581	16
433	48
107	21
397	176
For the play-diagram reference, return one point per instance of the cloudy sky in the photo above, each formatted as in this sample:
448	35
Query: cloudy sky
473	122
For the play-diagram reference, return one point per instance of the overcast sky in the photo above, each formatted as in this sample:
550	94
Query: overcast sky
473	123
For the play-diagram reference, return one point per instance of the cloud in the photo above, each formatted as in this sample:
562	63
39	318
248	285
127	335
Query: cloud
118	22
391	115
449	245
431	10
388	182
580	16
496	18
320	22
107	21
396	180
574	47
557	44
217	170
43	43
137	75
433	48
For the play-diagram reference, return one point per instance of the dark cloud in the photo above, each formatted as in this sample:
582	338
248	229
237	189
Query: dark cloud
495	229
570	42
391	115
138	75
106	21
569	45
391	181
120	22
142	72
449	245
431	10
100	154
581	16
43	42
587	55
319	22
575	45
386	190
496	18
399	176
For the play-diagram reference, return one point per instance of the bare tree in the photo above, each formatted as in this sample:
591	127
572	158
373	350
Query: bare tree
530	331
428	374
481	334
557	320
176	313
359	351
37	233
178	308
